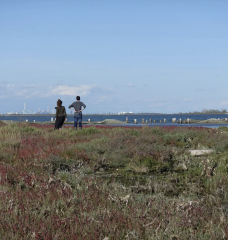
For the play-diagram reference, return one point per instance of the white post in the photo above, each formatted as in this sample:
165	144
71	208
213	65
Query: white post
34	120
135	120
180	120
126	119
142	121
146	121
164	120
26	120
52	119
89	120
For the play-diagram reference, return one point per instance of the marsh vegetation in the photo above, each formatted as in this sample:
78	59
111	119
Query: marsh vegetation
113	183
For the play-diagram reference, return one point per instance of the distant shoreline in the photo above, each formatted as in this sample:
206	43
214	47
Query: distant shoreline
132	114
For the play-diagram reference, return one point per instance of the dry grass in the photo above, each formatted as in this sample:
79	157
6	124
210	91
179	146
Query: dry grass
112	183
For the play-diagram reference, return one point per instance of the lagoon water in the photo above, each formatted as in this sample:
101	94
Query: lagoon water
157	118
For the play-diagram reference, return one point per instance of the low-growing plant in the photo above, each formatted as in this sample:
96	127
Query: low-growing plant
107	182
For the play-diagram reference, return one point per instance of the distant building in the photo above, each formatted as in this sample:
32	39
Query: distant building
21	112
122	113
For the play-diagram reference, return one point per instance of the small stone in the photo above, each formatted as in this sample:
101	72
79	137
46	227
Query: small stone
67	186
51	180
125	199
182	166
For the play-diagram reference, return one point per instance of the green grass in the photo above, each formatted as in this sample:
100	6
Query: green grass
113	183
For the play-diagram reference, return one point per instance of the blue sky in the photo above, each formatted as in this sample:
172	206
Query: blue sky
140	56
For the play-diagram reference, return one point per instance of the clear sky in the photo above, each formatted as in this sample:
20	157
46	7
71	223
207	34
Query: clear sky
119	55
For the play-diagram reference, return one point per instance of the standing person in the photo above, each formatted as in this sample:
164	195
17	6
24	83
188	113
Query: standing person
60	115
78	107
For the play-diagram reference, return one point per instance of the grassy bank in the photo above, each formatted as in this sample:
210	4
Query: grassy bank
112	183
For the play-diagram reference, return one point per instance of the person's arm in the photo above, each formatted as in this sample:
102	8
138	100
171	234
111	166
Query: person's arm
65	114
71	106
57	112
84	106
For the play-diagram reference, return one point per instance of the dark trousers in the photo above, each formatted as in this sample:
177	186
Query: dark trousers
59	122
78	119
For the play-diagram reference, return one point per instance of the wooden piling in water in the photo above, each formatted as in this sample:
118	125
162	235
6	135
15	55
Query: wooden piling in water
173	120
142	121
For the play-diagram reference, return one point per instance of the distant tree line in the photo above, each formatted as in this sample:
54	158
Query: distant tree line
208	111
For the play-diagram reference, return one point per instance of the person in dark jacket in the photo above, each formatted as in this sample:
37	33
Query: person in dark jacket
78	107
60	115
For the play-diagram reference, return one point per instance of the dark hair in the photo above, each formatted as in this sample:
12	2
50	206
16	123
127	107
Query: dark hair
59	103
78	98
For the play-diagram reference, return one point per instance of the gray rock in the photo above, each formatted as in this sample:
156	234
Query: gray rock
200	152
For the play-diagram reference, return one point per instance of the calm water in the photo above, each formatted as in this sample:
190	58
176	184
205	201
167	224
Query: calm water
157	118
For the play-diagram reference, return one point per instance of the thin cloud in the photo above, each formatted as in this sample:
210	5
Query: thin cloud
72	91
23	92
42	91
159	104
158	99
130	85
10	86
224	102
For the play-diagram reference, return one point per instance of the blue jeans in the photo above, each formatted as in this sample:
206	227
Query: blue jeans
78	119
